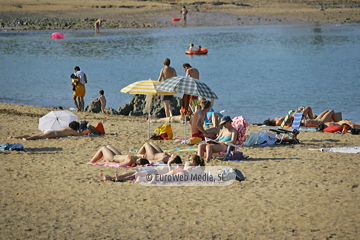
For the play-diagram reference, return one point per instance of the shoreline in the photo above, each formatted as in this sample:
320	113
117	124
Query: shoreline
158	14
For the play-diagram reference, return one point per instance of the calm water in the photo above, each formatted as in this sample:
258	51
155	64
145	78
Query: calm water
257	71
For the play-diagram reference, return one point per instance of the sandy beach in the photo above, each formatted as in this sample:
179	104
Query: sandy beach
50	192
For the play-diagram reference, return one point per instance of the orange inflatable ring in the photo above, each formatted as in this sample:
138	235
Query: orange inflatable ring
201	51
57	35
176	19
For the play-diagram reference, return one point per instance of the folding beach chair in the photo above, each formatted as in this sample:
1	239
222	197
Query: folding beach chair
289	136
241	125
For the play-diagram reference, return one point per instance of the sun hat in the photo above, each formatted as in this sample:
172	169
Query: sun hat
225	119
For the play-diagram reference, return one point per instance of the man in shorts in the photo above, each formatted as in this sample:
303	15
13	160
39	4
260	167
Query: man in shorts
194	73
197	122
166	73
80	89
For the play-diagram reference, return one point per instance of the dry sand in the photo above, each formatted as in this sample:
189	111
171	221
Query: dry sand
50	192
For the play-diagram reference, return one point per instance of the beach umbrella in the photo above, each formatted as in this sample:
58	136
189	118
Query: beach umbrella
146	87
187	85
56	119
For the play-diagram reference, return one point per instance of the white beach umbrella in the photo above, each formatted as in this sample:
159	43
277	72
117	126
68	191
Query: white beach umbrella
56	119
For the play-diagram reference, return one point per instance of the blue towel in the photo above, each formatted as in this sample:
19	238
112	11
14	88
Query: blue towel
12	147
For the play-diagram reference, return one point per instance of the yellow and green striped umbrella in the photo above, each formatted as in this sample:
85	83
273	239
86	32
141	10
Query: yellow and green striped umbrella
145	87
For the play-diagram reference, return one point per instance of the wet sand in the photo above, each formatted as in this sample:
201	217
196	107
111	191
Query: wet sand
51	14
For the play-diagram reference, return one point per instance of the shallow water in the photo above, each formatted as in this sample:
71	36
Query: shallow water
256	71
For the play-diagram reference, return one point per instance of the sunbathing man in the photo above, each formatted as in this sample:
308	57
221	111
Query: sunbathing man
72	130
197	122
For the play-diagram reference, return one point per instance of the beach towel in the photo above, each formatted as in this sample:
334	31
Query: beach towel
355	149
12	147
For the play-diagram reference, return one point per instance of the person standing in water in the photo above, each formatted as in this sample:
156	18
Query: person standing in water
97	25
184	12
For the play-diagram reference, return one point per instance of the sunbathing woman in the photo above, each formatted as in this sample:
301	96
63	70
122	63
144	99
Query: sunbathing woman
72	130
111	154
326	117
194	166
278	120
227	134
149	151
144	171
173	119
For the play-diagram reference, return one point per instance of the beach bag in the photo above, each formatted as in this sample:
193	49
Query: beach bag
235	155
266	138
231	174
165	131
251	139
99	127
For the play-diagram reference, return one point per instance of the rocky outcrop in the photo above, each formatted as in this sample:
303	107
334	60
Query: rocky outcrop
94	107
136	107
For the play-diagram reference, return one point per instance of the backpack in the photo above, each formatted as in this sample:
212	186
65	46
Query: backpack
232	174
165	131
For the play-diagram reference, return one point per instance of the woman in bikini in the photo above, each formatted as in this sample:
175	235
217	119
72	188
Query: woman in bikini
144	171
149	152
227	134
191	168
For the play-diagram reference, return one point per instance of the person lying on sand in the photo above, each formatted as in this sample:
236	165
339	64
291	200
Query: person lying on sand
143	172
72	130
149	152
193	166
173	119
307	113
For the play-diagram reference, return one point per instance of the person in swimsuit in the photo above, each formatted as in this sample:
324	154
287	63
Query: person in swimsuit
173	119
194	73
151	152
72	130
192	167
184	12
97	25
166	73
192	48
144	171
197	122
227	134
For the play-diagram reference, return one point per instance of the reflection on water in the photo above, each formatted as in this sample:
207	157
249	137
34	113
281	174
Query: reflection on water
257	71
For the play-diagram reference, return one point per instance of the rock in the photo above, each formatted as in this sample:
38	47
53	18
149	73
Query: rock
137	105
94	107
112	111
